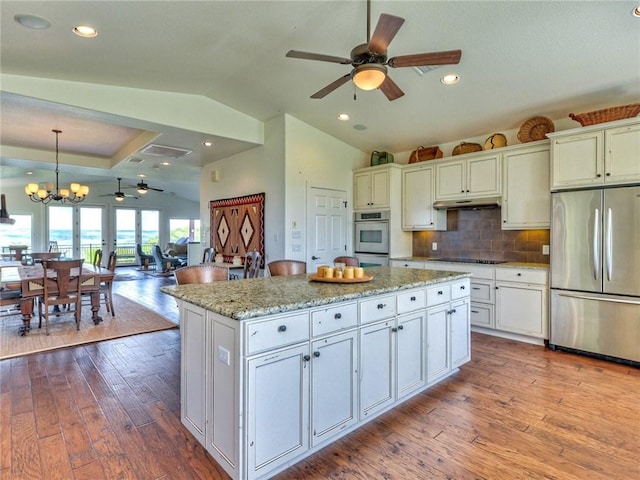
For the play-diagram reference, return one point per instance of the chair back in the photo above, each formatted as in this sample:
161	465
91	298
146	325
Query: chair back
252	265
53	246
208	254
97	258
113	259
286	267
65	285
348	261
39	257
201	274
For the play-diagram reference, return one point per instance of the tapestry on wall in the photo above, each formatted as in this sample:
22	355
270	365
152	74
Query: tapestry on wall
237	226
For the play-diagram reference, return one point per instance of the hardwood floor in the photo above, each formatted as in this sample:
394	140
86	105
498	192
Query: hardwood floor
111	410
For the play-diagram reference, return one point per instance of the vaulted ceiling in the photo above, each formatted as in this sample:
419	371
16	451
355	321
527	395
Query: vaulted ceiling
520	59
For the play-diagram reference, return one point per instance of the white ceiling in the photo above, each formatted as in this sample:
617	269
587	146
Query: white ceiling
520	59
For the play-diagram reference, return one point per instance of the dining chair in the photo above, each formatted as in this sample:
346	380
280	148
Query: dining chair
97	258
252	265
348	261
106	287
10	299
39	257
286	267
208	254
201	274
64	287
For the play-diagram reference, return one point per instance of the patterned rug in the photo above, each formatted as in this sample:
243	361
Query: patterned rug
131	318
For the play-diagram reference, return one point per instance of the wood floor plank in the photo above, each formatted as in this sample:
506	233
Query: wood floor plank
44	407
54	457
25	456
5	431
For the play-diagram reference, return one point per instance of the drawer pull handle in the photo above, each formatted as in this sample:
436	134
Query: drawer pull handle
452	311
282	328
413	299
462	287
381	306
519	274
475	288
440	292
337	316
316	354
306	358
475	311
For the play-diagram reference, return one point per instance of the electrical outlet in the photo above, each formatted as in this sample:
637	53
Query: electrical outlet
545	249
434	246
224	355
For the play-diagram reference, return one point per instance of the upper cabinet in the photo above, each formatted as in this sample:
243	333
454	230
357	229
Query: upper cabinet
526	200
418	184
371	189
596	155
468	178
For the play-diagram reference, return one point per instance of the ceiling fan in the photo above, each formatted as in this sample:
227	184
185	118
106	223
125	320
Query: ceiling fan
143	188
369	60
119	195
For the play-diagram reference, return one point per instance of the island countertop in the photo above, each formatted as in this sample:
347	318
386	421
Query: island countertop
251	298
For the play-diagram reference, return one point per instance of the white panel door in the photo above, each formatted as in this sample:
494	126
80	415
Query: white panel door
327	226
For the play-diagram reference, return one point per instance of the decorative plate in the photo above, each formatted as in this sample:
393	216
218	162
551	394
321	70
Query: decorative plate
315	278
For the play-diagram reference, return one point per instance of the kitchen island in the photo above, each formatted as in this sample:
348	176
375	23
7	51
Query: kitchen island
273	369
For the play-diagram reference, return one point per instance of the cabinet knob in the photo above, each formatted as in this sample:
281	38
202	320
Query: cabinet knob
461	191
462	287
337	316
598	175
439	292
467	191
519	274
306	358
394	329
400	327
282	328
316	354
381	306
413	299
497	288
608	174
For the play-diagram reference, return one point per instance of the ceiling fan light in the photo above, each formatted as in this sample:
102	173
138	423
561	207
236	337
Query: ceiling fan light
119	198
142	191
369	76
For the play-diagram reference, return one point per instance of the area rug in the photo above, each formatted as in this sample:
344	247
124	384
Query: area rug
131	319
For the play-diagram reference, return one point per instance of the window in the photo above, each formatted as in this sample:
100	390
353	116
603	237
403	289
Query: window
18	233
184	228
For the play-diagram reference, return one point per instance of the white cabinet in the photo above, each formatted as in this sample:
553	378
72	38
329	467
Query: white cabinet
418	184
596	155
526	200
438	358
474	177
277	408
371	189
521	302
460	333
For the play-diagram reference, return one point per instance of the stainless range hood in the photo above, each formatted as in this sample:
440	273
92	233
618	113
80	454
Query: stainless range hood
469	204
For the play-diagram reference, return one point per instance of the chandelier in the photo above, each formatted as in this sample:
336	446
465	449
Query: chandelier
76	193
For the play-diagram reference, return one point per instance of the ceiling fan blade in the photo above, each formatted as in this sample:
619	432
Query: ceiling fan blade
390	89
386	29
332	86
449	57
317	56
156	189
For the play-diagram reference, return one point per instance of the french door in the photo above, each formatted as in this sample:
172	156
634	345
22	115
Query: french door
132	226
76	231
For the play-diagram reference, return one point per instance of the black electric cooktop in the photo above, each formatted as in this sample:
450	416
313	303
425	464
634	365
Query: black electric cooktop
467	260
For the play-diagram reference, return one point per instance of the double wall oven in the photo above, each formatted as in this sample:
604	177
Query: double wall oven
371	244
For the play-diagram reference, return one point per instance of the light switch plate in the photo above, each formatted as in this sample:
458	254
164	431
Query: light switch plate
224	355
545	249
434	246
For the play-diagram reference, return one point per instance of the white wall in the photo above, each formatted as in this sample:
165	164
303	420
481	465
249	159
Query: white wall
294	156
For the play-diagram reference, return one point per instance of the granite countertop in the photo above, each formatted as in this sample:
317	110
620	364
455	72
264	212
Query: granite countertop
532	265
251	298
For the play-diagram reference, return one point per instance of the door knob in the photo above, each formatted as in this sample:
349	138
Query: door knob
313	257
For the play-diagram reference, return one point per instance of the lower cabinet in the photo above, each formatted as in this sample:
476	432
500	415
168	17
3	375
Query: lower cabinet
265	393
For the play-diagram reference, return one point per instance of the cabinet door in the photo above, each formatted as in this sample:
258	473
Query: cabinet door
450	180
193	334
526	201
437	342
577	160
483	176
522	308
460	333
376	375
622	154
278	408
362	191
411	349
417	201
380	189
333	385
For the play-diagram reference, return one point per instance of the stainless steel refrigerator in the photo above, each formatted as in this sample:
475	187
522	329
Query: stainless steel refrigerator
595	272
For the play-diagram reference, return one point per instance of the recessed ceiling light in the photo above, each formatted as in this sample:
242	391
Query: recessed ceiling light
359	126
141	175
207	144
85	31
31	21
165	164
29	173
636	11
343	117
450	79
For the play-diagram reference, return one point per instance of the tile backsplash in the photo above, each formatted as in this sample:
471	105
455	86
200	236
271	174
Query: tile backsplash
477	234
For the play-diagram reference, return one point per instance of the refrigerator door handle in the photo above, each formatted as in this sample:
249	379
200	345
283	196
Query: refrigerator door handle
595	244
600	299
609	248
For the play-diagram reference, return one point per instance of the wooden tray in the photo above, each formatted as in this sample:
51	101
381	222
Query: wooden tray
315	278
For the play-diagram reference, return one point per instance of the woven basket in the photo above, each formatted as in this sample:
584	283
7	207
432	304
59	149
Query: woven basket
466	148
535	128
421	154
606	115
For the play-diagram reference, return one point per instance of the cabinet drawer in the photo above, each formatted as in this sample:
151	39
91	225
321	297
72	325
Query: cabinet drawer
482	291
407	264
377	308
523	275
411	300
481	315
277	332
334	318
439	294
460	289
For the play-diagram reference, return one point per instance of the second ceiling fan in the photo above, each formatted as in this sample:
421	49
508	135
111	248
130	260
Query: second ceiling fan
369	60
143	188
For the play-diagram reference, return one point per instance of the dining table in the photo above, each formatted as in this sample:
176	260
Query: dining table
29	281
